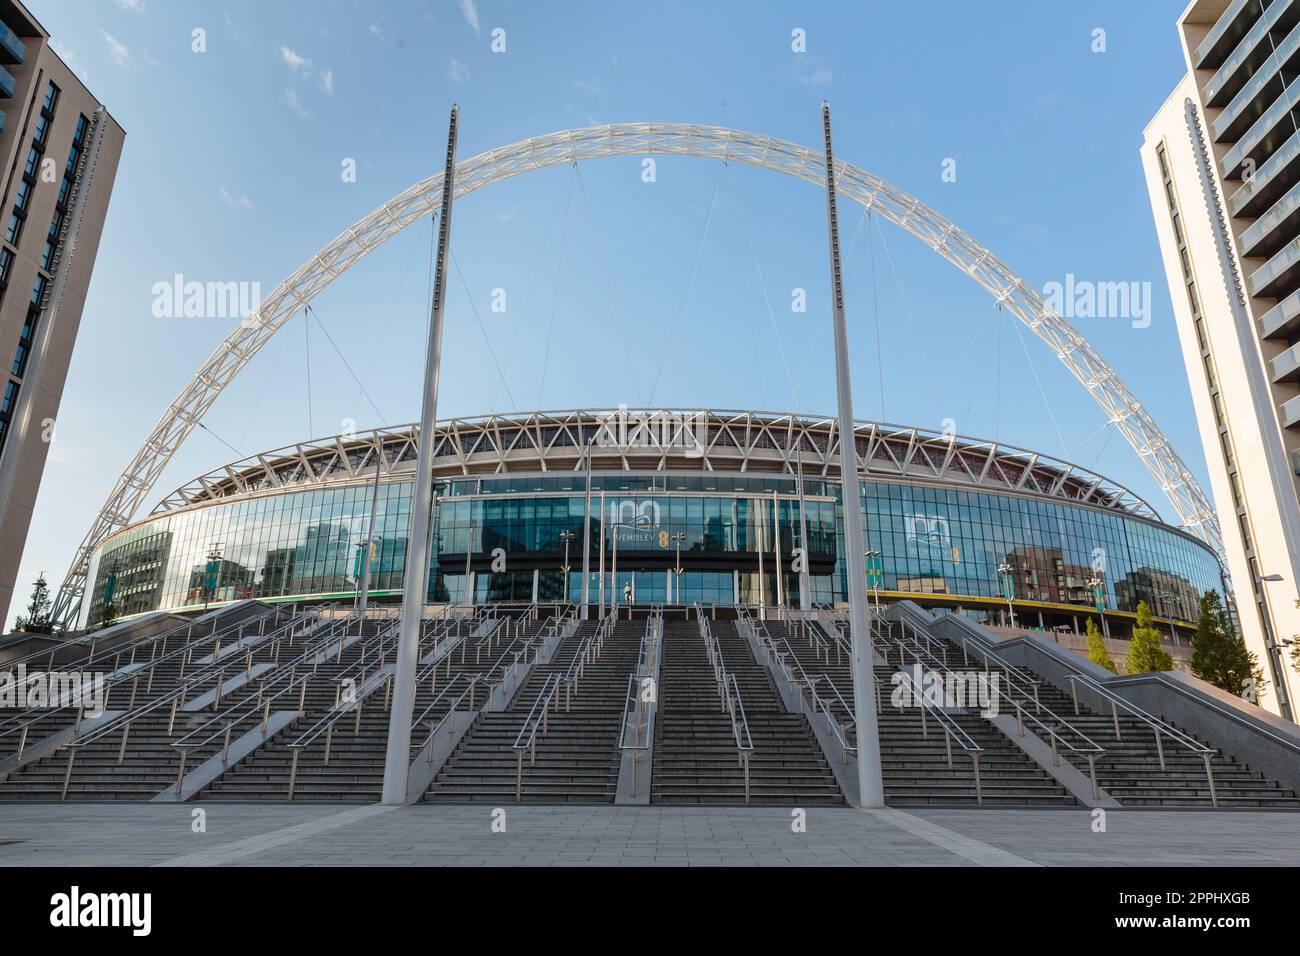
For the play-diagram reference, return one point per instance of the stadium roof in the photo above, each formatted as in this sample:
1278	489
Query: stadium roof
767	443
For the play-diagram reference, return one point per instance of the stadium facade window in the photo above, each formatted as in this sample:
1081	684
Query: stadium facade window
932	540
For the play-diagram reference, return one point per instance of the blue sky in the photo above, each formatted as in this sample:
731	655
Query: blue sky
232	172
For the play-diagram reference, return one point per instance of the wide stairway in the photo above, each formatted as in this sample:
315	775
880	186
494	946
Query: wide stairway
135	759
1129	767
914	752
341	747
577	755
696	757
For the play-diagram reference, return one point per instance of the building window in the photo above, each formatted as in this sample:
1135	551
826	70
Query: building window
51	98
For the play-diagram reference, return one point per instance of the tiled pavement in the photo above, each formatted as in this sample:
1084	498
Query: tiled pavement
301	835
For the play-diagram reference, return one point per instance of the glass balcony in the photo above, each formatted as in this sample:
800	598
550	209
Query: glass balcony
11	48
1267	186
1286	365
1260	129
7	84
1237	68
1238	114
1276	277
1223	36
1291	412
1283	320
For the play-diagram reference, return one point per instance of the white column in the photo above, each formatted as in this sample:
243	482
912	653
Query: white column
870	778
415	580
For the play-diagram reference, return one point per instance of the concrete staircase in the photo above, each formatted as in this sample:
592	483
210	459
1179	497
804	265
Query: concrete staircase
354	768
913	753
695	756
1129	769
577	758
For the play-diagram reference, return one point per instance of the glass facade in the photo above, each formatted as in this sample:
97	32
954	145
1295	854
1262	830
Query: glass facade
731	531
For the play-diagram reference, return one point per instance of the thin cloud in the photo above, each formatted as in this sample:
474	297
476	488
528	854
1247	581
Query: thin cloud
117	54
134	6
295	61
235	202
327	81
457	71
291	100
811	72
471	14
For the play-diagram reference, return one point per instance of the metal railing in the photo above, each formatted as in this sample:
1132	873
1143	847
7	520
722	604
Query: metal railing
215	671
538	719
1081	747
953	731
637	731
230	719
735	708
468	687
1158	727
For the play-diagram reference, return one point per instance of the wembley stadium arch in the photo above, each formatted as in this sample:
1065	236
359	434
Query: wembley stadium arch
1008	289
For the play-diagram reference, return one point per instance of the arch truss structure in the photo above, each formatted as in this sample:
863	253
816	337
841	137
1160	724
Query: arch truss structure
1008	289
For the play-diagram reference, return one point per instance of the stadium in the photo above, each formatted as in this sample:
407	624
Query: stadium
646	605
695	508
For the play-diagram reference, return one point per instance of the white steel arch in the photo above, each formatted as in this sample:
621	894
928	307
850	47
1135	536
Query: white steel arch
1122	408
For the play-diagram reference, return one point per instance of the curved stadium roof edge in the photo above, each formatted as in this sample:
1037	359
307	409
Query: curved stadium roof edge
729	441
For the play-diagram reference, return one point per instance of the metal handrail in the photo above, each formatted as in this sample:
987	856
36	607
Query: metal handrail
1090	749
1157	726
288	671
538	719
739	728
23	719
450	715
139	642
230	720
214	671
953	731
985	649
634	703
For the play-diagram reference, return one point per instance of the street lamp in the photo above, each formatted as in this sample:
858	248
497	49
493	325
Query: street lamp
1007	571
678	538
1099	602
873	573
1166	601
566	536
211	575
469	547
1277	665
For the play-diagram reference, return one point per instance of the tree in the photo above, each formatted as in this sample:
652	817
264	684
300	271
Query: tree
107	616
1220	656
1145	654
1097	652
37	619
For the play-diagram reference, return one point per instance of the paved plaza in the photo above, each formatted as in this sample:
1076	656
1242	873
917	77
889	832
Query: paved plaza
424	835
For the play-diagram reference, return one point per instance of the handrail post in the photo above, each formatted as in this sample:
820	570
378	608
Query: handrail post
180	771
1160	749
293	772
1209	776
67	775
